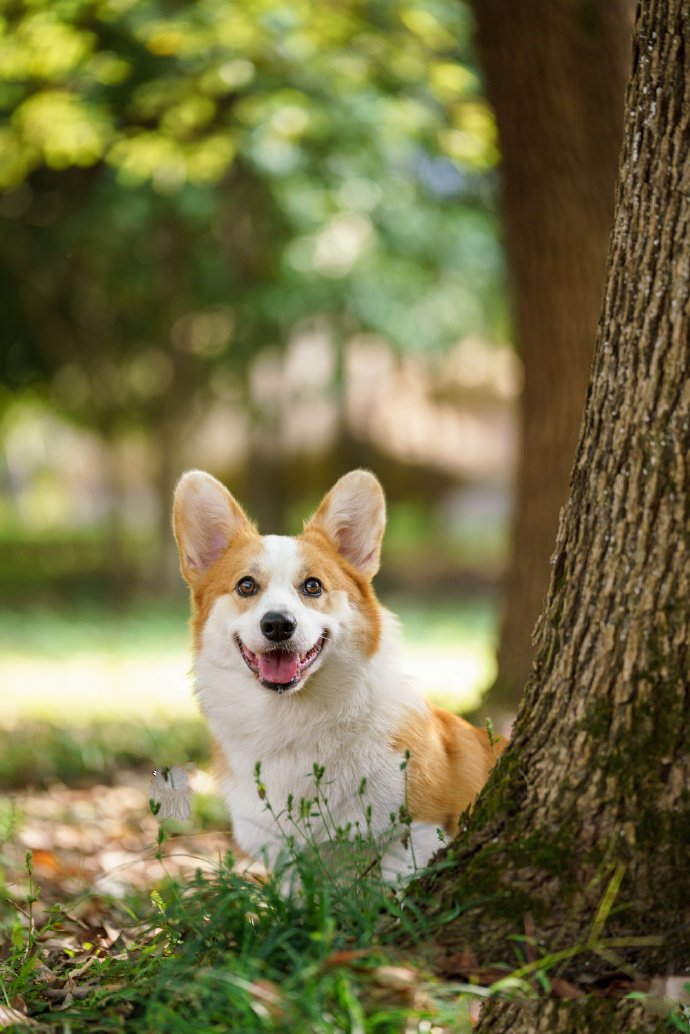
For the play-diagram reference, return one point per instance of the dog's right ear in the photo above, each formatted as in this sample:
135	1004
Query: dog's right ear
206	518
353	517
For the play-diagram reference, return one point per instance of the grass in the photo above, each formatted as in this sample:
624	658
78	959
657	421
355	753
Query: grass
450	649
228	952
93	664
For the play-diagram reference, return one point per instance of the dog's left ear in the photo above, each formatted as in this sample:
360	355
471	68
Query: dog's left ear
353	516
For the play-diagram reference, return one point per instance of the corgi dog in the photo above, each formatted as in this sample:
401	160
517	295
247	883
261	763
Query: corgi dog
297	665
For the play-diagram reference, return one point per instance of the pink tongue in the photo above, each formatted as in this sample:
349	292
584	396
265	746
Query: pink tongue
279	667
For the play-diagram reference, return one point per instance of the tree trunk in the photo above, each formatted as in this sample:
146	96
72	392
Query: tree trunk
582	835
556	74
551	1017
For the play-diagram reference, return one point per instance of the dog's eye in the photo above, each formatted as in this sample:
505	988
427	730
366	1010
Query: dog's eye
246	586
312	587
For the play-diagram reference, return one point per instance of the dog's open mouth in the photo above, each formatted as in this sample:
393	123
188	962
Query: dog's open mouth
280	669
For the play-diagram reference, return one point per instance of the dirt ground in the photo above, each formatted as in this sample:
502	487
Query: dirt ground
103	838
92	852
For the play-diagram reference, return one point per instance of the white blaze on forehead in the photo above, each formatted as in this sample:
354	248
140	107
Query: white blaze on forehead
280	558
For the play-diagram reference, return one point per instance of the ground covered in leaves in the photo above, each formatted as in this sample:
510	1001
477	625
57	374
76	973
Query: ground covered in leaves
79	867
112	922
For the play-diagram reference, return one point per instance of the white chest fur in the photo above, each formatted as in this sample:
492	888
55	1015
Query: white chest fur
343	722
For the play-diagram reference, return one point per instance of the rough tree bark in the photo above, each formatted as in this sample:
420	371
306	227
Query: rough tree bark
552	1017
556	73
593	794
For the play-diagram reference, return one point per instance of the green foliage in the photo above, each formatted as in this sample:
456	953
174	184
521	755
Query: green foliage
286	946
309	946
312	946
42	753
186	181
39	567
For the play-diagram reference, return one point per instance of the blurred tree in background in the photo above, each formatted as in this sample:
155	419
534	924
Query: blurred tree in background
188	184
556	76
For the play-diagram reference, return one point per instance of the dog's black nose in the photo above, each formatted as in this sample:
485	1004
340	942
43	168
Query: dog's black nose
278	627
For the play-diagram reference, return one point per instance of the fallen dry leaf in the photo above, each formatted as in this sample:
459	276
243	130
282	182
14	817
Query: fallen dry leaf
80	970
100	844
398	978
561	988
457	963
14	1018
345	957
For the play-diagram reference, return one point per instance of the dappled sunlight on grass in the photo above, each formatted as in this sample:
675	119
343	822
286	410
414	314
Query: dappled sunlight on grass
450	649
91	665
97	685
454	680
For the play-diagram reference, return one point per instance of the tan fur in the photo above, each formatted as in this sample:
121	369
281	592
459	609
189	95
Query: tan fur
222	577
323	561
353	516
450	761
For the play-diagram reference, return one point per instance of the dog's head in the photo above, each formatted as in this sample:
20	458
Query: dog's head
272	608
